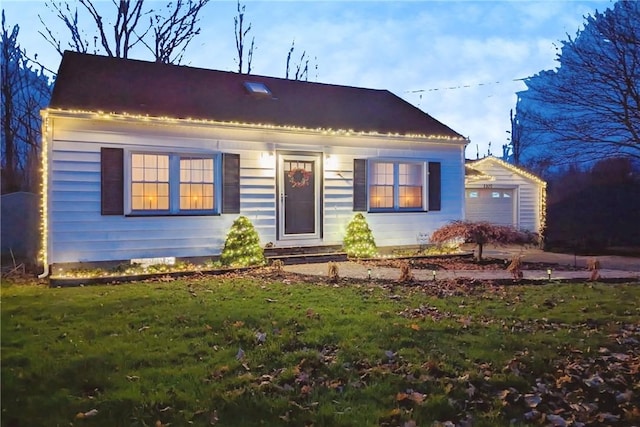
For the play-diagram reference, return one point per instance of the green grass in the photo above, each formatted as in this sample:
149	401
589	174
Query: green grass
144	353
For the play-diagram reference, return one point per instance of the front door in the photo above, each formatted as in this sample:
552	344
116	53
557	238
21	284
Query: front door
299	184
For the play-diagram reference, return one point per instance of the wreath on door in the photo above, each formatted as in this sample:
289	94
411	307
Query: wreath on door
299	177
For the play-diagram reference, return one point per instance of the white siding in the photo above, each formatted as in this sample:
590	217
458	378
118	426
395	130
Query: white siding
79	233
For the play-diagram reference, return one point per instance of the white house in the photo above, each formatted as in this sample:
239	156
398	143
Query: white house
504	194
143	160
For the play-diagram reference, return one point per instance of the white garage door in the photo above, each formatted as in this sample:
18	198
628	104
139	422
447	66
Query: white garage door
493	205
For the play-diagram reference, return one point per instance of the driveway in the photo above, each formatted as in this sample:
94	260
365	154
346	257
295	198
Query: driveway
609	262
612	267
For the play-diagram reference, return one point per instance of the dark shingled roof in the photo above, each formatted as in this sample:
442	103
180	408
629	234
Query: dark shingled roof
100	83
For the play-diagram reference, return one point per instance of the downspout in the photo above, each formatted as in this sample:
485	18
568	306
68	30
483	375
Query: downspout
45	273
44	196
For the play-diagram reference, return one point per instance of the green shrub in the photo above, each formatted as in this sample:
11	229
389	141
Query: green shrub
242	246
359	242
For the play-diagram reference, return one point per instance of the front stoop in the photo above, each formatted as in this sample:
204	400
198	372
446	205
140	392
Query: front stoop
310	255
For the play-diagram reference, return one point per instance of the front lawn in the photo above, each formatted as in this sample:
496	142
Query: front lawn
248	350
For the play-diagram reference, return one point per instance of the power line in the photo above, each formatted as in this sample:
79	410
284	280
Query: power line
464	86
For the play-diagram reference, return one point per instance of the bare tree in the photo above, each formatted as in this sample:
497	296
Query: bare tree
24	92
166	34
241	34
516	138
589	108
118	44
173	33
302	67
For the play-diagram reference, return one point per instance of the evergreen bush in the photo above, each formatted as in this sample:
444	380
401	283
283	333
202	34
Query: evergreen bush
242	246
359	241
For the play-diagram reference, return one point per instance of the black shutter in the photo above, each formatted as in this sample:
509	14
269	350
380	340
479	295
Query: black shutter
435	185
359	184
230	183
112	181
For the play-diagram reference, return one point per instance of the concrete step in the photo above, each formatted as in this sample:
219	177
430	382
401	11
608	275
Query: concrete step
308	255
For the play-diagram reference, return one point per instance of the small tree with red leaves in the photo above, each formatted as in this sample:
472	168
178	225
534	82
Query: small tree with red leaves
481	233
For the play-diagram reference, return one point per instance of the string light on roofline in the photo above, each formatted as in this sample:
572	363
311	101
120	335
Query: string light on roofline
324	131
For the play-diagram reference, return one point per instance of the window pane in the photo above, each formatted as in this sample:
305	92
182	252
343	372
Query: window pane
196	184
150	161
149	181
185	172
382	174
196	175
163	196
150	174
410	197
381	197
137	189
207	170
163	162
410	174
137	174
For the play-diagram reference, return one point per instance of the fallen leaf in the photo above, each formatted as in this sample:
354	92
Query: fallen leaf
556	420
88	414
624	397
465	321
532	415
608	418
471	390
532	400
240	354
594	382
213	418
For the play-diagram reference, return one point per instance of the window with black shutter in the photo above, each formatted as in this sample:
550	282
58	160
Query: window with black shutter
381	185
169	183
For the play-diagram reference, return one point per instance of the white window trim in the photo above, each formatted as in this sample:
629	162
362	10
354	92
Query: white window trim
174	182
396	208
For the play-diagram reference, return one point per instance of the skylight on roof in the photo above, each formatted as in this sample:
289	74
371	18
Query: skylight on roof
257	88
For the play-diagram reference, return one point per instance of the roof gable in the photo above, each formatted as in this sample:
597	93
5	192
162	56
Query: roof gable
477	165
99	83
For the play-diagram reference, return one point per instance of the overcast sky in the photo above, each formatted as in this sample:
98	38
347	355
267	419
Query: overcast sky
459	61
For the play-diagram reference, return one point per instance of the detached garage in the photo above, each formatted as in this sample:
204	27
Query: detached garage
504	194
